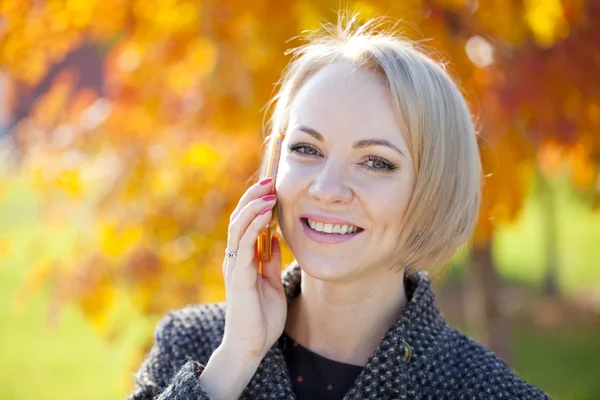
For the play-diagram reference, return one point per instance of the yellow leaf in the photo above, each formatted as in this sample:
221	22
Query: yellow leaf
185	271
546	20
367	10
307	15
97	304
201	156
115	243
166	182
142	296
202	55
71	181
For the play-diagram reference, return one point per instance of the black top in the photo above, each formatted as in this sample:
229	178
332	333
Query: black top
315	377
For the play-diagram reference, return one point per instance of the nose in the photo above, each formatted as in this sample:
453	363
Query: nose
329	186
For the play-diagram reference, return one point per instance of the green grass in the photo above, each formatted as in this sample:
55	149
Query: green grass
37	361
519	248
72	362
563	362
69	362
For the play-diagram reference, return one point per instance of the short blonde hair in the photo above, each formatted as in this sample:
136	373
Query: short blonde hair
435	121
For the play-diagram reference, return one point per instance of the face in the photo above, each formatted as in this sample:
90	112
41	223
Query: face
336	167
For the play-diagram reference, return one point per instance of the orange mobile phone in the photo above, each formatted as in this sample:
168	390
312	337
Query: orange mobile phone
263	242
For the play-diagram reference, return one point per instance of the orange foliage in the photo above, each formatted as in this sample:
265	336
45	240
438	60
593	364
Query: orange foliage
161	157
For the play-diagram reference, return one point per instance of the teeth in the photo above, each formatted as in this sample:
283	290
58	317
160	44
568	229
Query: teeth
331	228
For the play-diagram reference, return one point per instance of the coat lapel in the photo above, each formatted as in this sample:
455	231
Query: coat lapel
387	374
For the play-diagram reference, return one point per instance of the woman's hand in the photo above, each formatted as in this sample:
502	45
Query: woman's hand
256	305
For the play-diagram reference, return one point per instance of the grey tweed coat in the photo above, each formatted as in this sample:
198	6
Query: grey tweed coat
420	357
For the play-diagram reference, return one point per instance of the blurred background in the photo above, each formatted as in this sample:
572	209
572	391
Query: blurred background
129	129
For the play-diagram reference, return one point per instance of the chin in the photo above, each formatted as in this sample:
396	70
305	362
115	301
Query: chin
323	268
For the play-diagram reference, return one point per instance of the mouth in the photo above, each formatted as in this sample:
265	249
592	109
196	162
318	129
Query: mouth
329	238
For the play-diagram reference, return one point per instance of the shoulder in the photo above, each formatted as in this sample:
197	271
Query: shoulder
194	330
465	366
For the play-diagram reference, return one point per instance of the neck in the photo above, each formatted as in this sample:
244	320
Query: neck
346	321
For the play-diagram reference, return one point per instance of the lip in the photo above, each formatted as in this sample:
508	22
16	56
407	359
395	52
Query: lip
328	238
327	220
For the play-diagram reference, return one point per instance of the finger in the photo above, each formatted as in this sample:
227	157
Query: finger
228	264
238	227
253	192
251	235
272	269
245	274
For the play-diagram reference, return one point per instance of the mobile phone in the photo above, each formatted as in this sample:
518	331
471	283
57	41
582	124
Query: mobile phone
263	242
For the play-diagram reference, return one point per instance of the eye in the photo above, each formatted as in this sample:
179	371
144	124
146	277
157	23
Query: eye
295	148
378	164
386	166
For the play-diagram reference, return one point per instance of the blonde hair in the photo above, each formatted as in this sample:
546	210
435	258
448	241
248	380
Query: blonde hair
434	117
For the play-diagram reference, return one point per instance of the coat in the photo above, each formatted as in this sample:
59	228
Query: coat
420	357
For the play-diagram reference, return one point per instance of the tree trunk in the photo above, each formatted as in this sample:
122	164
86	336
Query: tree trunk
482	303
550	235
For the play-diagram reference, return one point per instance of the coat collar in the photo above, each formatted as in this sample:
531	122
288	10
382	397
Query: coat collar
404	347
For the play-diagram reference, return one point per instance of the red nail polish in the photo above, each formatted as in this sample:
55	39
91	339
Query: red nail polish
266	180
266	210
269	197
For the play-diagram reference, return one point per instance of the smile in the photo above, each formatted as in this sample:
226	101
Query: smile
328	238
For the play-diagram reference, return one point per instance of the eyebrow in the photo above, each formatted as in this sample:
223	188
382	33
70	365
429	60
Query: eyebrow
360	144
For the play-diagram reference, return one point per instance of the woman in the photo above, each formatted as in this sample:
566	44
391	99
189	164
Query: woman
379	181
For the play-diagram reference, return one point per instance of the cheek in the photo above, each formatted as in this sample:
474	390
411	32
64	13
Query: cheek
286	185
289	179
388	206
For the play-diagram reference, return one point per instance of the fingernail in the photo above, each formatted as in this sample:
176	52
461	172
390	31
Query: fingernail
269	197
266	180
266	210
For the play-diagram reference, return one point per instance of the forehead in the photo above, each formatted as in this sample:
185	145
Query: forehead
342	98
